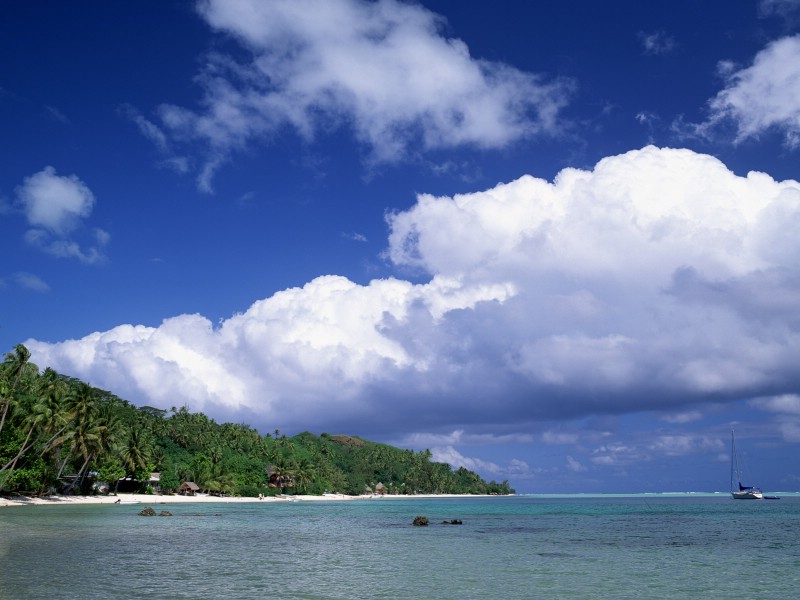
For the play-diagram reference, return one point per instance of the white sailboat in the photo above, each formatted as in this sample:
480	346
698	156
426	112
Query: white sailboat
739	491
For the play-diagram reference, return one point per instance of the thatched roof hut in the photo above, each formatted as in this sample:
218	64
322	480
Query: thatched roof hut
188	488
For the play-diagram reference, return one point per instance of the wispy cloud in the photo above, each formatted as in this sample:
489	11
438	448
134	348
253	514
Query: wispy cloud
688	416
788	404
29	281
451	456
355	237
575	465
657	42
785	9
383	70
760	98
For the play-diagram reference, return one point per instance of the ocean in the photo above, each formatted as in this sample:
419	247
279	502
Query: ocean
639	546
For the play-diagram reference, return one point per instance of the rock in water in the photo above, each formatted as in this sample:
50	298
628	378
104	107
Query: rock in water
420	521
147	512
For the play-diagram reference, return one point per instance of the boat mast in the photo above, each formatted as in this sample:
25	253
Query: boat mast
734	464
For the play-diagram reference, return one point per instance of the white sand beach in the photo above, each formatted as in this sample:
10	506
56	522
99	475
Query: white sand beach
154	499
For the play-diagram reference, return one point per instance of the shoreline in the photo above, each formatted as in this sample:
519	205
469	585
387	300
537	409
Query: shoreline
152	499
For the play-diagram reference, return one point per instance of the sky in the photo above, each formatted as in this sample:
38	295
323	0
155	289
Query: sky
554	243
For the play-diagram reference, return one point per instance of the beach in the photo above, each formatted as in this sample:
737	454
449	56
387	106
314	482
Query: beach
152	499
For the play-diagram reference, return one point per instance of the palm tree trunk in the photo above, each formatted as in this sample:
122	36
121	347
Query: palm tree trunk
13	463
80	476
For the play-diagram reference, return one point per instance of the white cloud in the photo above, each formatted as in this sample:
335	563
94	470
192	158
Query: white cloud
55	203
30	281
324	343
683	417
787	410
786	9
618	455
790	430
575	466
553	437
383	69
657	42
488	469
657	279
55	207
681	445
762	97
460	437
454	458
787	404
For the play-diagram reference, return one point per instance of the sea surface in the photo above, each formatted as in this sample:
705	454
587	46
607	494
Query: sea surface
643	546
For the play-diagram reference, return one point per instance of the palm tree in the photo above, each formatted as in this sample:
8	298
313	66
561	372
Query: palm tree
136	451
304	474
12	370
41	409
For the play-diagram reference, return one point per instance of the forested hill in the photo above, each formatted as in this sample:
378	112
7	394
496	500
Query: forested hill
59	434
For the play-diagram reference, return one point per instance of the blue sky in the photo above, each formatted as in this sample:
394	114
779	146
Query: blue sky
552	242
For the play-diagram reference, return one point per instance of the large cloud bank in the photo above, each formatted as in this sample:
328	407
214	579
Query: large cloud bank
383	69
656	280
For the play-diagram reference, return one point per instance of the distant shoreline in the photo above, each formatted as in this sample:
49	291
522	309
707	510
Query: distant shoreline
145	499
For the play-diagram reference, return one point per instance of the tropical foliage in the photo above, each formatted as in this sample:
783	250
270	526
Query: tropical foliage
59	434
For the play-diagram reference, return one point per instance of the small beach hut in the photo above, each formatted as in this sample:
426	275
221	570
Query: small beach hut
188	488
380	489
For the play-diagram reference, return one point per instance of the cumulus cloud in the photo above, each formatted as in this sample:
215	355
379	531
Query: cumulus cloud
56	207
762	97
659	280
385	70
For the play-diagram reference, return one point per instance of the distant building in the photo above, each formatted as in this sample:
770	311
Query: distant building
188	488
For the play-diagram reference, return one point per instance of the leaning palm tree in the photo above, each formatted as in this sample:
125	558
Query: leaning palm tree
40	408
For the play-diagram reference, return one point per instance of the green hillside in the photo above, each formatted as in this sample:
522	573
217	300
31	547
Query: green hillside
59	434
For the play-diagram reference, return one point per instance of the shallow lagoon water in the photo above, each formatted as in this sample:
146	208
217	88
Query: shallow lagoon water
508	547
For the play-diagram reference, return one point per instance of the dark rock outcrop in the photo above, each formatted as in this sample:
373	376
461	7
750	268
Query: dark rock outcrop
147	512
420	521
453	522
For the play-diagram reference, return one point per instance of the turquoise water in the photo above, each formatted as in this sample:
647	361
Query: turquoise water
515	547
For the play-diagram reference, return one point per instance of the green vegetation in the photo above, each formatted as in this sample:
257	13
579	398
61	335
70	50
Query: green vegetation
59	434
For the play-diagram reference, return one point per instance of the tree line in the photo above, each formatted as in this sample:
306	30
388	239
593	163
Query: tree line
59	434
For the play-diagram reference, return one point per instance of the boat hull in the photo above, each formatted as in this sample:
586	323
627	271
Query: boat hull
747	495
